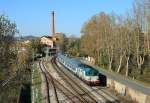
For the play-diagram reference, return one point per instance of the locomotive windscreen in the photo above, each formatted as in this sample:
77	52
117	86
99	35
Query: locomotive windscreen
89	71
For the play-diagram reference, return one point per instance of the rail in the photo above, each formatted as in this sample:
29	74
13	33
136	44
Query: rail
61	88
105	96
73	83
47	86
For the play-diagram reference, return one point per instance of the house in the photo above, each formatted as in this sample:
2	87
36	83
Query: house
48	41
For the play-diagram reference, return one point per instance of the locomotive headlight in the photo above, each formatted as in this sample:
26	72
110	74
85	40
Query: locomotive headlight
87	78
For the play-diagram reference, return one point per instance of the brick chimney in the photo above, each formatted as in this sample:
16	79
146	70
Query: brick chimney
53	26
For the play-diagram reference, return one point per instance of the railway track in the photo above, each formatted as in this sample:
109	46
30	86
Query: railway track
71	97
106	97
86	96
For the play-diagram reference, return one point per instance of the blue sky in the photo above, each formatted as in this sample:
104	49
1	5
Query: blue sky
33	17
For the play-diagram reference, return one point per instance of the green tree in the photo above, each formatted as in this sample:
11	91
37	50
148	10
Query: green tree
73	46
7	47
14	62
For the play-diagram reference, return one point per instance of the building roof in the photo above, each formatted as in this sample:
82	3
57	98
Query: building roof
49	37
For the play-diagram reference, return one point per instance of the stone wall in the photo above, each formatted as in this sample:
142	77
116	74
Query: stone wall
125	91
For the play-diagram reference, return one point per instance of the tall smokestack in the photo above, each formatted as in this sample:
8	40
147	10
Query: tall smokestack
53	26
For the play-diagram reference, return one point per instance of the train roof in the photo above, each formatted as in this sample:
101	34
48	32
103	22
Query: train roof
77	63
72	61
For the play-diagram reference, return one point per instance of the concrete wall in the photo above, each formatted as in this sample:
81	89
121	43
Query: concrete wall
136	95
120	88
109	82
123	90
147	99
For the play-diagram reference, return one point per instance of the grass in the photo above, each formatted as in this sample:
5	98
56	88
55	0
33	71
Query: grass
36	85
10	93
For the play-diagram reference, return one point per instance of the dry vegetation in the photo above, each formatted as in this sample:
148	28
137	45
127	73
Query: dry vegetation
120	43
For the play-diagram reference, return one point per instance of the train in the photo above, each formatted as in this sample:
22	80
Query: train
84	72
